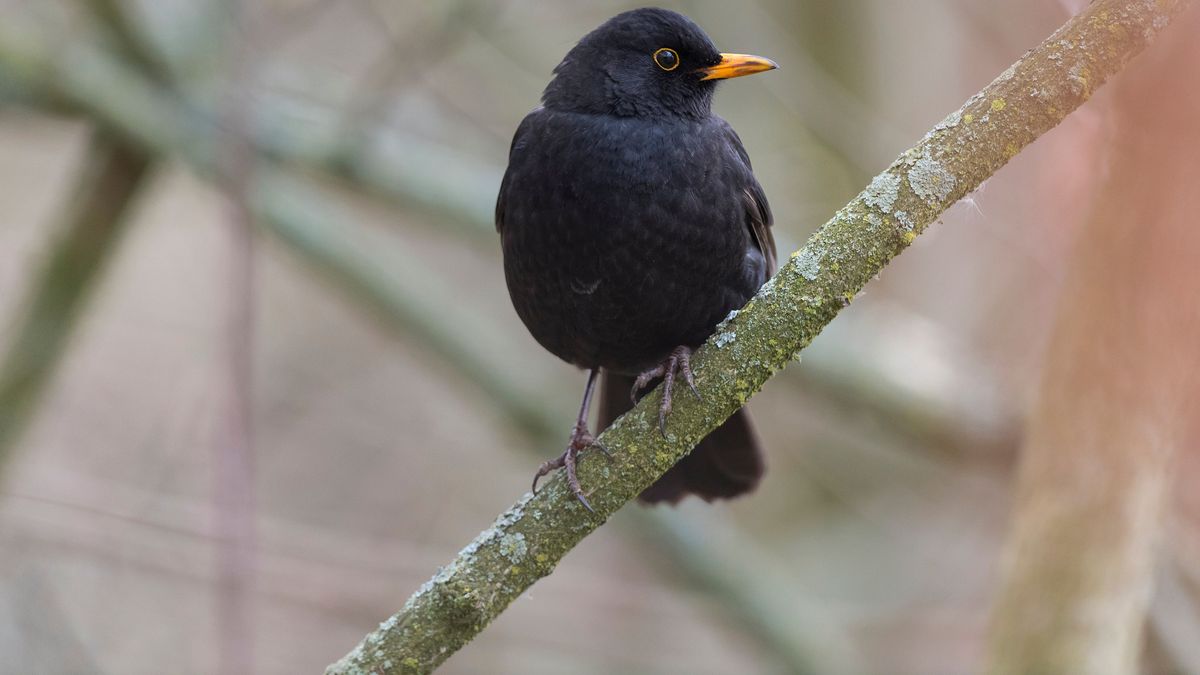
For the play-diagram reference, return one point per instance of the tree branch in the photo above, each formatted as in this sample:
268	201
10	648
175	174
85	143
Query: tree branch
528	540
127	38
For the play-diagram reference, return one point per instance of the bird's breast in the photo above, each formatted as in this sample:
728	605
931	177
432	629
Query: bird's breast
621	237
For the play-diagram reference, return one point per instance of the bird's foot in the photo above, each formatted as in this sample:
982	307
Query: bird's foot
581	439
679	362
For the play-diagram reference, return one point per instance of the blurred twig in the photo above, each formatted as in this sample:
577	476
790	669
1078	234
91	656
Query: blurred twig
91	225
128	39
527	541
754	591
160	123
234	460
233	456
396	287
418	176
406	58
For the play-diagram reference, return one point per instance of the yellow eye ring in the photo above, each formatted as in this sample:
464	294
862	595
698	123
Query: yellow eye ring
667	59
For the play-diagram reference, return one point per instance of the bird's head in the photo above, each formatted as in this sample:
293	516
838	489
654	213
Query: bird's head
645	63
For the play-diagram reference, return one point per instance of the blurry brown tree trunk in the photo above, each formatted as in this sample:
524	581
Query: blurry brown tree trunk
1119	390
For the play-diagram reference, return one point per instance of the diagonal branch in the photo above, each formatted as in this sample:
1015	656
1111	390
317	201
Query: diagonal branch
528	540
93	220
122	29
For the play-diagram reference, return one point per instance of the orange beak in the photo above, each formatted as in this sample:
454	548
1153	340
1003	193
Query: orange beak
737	65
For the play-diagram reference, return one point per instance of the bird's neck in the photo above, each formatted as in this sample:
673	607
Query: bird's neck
564	96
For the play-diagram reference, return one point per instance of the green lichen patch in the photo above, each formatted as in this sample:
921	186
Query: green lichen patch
513	546
882	192
931	180
808	263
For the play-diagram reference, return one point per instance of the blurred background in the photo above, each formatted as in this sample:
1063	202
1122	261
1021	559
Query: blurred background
261	375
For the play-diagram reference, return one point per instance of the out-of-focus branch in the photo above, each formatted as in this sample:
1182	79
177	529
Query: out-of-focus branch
420	177
406	58
755	591
90	228
233	453
395	287
105	91
1119	392
527	541
128	39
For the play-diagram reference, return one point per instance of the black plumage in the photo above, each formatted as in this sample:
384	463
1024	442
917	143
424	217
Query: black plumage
631	224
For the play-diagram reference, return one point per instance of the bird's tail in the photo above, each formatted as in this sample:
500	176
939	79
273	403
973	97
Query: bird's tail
727	463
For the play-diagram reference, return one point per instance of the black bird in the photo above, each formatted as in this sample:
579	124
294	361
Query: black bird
632	224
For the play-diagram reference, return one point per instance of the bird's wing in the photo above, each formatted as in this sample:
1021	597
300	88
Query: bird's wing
758	210
500	204
520	138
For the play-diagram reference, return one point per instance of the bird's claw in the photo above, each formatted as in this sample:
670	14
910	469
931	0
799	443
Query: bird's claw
678	362
581	439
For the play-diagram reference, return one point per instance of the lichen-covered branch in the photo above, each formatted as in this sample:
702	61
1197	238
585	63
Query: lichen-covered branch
528	540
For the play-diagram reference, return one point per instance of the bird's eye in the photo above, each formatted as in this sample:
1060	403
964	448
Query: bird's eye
667	59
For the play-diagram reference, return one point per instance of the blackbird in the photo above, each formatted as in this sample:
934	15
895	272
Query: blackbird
631	224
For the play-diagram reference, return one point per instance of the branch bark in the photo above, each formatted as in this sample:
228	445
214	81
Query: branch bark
528	540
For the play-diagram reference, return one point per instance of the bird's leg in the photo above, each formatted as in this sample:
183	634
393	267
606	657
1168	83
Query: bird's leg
581	439
679	361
